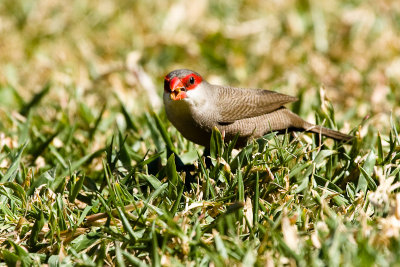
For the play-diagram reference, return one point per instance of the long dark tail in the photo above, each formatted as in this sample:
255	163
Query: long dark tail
299	123
339	136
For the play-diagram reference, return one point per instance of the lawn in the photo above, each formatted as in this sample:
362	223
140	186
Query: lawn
92	173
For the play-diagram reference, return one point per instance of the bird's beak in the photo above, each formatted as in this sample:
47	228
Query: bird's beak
177	89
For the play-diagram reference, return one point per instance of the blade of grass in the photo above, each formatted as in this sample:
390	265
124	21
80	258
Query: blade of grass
9	176
35	99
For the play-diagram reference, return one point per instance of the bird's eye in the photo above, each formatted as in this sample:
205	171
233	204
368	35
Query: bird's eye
191	80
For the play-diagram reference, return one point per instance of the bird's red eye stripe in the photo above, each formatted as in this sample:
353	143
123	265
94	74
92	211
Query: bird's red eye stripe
191	81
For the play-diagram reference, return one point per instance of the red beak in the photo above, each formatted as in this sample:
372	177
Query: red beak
175	83
176	86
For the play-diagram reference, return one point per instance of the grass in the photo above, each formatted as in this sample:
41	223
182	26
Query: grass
92	173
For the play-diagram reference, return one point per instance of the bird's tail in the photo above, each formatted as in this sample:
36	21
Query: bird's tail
299	123
339	136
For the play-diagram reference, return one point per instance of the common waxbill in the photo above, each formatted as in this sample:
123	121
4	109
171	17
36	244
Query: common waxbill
195	107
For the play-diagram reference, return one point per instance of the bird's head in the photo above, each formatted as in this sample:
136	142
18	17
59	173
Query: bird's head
178	82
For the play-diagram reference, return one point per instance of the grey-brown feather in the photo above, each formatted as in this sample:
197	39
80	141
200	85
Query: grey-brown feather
247	103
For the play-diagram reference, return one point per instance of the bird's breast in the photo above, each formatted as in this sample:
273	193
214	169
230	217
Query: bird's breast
191	119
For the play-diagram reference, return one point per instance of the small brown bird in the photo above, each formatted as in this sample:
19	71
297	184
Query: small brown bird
195	107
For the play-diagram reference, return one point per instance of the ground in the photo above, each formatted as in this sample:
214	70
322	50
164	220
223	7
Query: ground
92	172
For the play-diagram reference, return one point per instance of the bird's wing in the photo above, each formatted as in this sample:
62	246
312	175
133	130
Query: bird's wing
239	103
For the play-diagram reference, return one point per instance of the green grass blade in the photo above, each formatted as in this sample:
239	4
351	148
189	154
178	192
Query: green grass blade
9	176
366	170
37	227
35	99
164	133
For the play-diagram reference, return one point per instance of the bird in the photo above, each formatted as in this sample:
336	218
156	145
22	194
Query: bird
195	107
